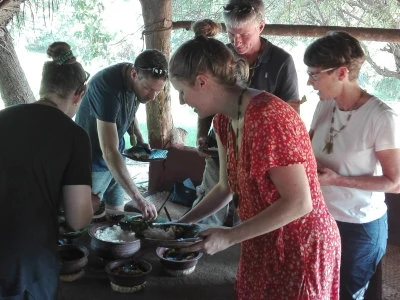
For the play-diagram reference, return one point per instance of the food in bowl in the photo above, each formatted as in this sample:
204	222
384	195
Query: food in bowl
159	230
177	255
130	268
128	275
176	262
114	234
109	241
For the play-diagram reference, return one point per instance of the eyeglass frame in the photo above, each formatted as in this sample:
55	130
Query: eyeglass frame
312	75
239	8
155	72
83	85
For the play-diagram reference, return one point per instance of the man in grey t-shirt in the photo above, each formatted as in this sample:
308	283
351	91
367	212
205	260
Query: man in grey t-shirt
271	69
107	111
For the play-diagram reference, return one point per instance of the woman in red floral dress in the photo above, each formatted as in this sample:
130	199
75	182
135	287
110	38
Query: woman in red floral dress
290	244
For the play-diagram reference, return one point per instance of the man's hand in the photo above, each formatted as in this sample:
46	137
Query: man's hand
148	210
202	142
145	146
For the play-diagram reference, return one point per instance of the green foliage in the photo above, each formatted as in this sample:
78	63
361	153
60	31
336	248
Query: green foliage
81	26
387	89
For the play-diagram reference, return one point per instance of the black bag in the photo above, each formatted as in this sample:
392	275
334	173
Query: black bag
184	193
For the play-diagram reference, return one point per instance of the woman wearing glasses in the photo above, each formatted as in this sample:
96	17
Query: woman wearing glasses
44	162
107	112
356	140
290	244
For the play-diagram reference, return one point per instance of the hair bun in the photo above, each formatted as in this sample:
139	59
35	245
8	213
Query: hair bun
61	53
206	27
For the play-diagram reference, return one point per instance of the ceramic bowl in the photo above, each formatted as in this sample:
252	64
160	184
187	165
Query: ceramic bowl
111	250
128	275
177	264
73	260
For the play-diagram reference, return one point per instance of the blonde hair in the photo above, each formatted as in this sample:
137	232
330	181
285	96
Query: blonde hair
206	27
206	55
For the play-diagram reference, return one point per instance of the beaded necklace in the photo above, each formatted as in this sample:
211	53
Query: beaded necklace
328	148
235	196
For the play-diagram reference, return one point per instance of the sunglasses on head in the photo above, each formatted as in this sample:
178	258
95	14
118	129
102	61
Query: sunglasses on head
238	8
155	72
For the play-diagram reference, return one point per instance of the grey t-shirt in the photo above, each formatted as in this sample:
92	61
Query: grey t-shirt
108	100
275	72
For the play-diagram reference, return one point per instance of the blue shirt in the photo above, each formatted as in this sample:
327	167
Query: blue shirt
107	99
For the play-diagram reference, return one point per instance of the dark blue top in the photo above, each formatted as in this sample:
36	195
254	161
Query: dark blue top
108	100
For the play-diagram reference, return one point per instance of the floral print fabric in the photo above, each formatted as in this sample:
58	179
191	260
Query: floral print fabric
300	260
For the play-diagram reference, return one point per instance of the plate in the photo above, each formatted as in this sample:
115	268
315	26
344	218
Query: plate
179	243
140	154
185	233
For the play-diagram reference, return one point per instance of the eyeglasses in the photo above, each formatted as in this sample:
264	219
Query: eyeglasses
83	85
87	75
243	9
317	75
155	72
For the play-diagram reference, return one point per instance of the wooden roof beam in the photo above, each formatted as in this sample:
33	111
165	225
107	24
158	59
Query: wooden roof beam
361	33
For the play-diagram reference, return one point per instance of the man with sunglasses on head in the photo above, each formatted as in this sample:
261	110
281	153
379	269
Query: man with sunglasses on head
271	69
107	112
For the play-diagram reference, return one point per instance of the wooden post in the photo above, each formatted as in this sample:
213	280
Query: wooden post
157	17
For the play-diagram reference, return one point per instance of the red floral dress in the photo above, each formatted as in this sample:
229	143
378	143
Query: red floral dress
300	260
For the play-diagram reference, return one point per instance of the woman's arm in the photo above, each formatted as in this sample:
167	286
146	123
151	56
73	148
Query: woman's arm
295	201
388	182
77	205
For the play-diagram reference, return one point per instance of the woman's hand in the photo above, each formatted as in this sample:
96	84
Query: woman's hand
327	177
215	239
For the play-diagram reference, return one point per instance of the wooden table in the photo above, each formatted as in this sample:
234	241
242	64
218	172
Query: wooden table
213	279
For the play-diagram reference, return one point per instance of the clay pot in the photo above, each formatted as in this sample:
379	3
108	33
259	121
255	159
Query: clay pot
128	275
178	265
73	258
111	250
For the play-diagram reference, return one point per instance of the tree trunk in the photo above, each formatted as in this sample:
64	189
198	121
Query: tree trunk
157	16
14	87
